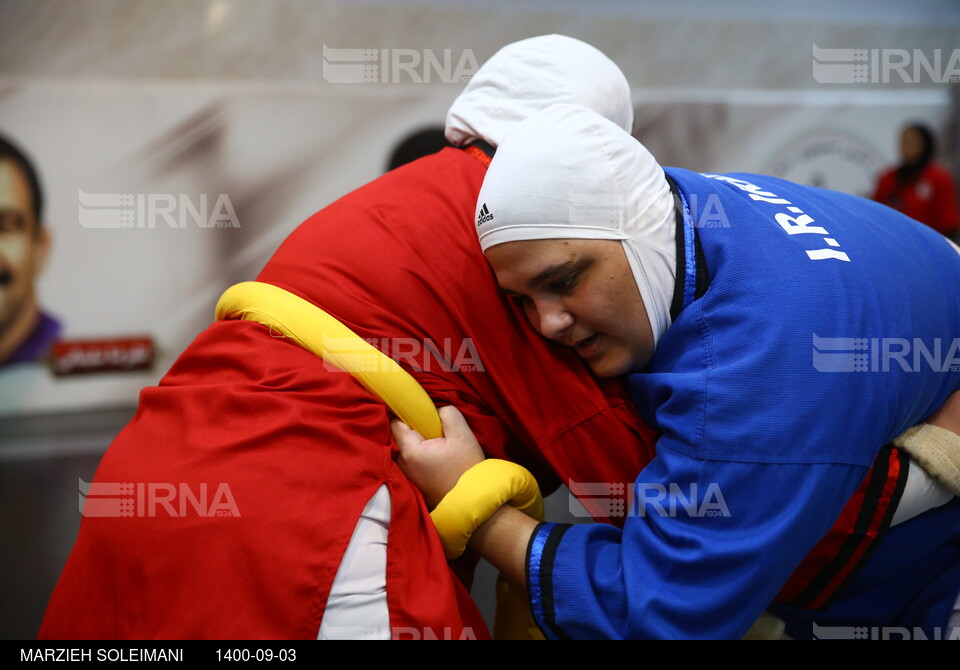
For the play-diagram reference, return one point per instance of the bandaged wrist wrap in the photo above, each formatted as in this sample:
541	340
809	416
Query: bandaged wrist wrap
480	492
936	450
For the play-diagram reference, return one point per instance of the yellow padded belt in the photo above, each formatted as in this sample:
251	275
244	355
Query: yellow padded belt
320	333
480	492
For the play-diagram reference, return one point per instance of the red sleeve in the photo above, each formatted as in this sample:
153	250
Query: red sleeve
944	201
884	187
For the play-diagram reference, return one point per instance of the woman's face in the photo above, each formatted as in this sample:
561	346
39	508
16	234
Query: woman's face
912	146
582	294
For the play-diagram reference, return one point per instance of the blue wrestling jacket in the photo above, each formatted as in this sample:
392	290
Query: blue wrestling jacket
827	325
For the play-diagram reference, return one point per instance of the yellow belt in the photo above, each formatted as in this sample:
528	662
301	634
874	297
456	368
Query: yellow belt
318	332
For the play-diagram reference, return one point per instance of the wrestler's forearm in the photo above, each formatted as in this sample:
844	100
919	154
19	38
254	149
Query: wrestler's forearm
502	539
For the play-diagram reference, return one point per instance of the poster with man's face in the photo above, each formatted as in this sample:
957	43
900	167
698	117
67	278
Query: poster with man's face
157	199
24	242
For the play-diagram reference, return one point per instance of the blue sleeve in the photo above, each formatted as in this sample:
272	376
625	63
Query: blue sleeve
707	546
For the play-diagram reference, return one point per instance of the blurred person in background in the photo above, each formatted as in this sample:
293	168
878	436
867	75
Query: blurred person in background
919	187
416	145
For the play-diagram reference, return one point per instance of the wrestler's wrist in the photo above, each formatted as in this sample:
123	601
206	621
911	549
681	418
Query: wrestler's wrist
502	540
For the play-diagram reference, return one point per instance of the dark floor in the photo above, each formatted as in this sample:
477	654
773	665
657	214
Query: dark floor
42	459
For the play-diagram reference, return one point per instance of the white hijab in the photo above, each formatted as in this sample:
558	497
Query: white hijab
567	172
530	75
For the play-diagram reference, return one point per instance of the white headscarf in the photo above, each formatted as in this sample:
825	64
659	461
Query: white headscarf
568	173
530	75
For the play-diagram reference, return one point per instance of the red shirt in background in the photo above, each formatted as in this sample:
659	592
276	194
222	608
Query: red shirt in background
929	197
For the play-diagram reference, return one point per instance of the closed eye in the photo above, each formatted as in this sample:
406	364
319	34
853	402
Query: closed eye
519	299
565	284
